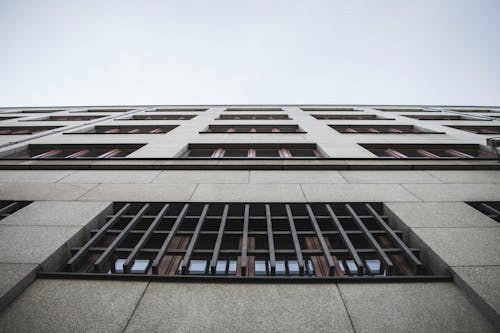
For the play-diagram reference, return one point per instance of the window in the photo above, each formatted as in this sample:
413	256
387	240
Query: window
349	117
37	111
479	129
7	118
254	109
109	110
440	151
330	109
491	208
382	129
225	240
253	129
25	130
137	129
161	117
9	207
179	110
66	118
252	116
72	151
474	110
444	117
252	151
406	110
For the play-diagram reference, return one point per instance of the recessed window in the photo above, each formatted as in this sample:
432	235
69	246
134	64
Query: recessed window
254	109
179	110
25	130
474	110
37	111
330	109
74	151
253	129
444	117
9	207
7	118
246	240
253	116
109	110
252	151
349	117
161	117
406	110
479	129
438	151
137	129
382	129
66	118
490	208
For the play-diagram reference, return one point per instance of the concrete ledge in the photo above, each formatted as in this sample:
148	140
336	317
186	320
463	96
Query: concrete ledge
14	278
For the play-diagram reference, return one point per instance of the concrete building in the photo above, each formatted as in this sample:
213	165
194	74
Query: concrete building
221	218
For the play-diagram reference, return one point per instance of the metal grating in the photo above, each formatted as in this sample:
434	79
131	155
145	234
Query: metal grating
9	207
247	241
490	208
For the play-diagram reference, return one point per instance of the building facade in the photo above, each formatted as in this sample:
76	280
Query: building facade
349	218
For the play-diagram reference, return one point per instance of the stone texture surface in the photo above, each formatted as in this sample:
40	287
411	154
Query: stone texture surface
111	176
13	279
439	214
202	176
43	191
467	176
455	192
411	307
57	213
17	176
32	244
387	177
177	307
462	246
72	306
356	192
295	177
248	192
140	192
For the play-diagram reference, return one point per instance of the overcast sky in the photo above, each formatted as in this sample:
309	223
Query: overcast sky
93	52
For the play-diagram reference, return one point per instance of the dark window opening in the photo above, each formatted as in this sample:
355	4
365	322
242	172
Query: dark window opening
9	207
72	151
253	151
179	110
161	117
405	110
25	130
109	110
330	109
385	129
8	118
254	109
349	117
474	110
253	116
138	129
432	151
489	208
37	111
66	118
253	129
246	240
479	129
444	117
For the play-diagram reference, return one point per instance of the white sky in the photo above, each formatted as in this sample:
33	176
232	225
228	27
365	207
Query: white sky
106	52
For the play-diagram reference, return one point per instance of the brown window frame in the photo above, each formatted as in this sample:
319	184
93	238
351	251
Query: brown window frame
254	117
265	129
382	129
68	118
160	117
74	151
127	129
349	117
280	151
428	151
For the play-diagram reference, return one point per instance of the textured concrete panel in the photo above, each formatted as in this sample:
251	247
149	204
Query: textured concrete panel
439	214
388	177
140	192
462	246
72	306
484	282
13	279
169	307
467	176
356	192
411	307
455	192
248	192
111	176
60	213
296	177
43	191
201	176
32	176
32	244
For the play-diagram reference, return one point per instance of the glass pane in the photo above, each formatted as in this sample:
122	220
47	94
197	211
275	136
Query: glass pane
260	267
280	267
267	153
221	267
352	266
232	267
293	267
236	153
373	266
302	153
139	266
197	266
201	152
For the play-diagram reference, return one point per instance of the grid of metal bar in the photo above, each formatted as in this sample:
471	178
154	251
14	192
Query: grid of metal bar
252	151
9	207
75	151
253	129
246	240
429	151
490	208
